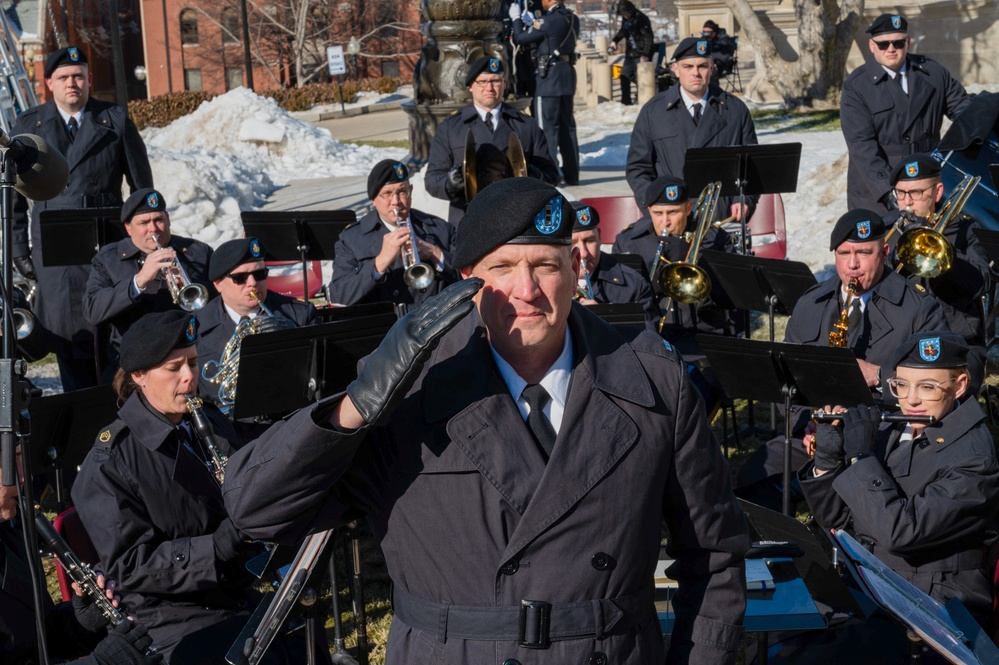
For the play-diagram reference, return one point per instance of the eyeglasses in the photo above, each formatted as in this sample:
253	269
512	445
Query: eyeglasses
915	194
899	44
403	194
926	391
241	277
491	83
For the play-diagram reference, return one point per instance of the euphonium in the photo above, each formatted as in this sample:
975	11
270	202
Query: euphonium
841	328
225	371
187	295
924	251
202	428
417	275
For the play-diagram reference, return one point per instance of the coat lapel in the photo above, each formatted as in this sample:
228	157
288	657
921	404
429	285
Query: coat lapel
93	129
920	92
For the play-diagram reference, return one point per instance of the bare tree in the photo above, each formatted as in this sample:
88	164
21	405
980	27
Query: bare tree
826	29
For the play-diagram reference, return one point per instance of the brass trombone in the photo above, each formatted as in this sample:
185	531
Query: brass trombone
189	296
924	251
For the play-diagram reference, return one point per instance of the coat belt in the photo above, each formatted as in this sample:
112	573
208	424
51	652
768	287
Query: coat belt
534	624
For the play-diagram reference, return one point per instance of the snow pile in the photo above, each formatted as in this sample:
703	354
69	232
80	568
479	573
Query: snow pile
233	152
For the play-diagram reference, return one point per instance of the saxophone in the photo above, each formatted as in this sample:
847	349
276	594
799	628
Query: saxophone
217	461
841	328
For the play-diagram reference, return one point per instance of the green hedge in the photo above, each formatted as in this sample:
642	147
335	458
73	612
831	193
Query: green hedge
161	111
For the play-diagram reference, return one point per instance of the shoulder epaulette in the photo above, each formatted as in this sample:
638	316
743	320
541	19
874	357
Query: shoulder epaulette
110	434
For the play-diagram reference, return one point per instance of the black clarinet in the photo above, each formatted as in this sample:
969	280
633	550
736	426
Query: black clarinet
886	417
216	463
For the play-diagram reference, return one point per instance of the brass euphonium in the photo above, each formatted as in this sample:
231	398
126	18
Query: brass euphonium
924	251
189	296
841	328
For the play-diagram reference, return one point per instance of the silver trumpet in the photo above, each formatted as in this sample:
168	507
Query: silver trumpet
187	295
24	321
417	275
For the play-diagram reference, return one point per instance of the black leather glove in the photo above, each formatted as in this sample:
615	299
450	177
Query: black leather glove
860	430
534	172
828	446
126	645
454	185
227	541
25	267
88	614
390	371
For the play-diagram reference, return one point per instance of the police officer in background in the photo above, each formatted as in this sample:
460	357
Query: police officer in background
601	277
555	34
892	106
367	261
102	146
128	278
639	42
491	122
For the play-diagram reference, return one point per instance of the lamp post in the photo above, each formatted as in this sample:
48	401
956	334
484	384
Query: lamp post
353	48
247	60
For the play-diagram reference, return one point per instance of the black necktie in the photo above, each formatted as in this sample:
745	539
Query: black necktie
71	128
537	397
489	120
856	315
899	78
697	113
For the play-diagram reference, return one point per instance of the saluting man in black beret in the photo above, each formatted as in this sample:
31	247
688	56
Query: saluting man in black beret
102	146
367	261
923	498
128	278
693	114
516	456
491	122
883	310
892	106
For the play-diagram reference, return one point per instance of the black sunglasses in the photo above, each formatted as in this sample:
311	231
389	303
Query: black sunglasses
241	277
897	43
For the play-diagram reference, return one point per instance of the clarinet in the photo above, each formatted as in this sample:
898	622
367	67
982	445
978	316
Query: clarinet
78	571
216	463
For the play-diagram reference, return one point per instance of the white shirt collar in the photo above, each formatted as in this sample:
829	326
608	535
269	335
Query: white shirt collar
66	116
689	101
892	73
555	382
864	298
236	317
482	113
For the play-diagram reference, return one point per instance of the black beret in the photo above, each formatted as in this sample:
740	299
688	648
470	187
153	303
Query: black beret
888	23
858	225
933	349
385	171
587	217
146	199
234	253
711	25
151	339
919	166
692	47
519	211
64	57
665	190
484	64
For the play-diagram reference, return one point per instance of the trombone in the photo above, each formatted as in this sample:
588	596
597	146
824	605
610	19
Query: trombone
417	275
189	296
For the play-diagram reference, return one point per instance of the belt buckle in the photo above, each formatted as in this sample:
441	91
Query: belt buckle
535	624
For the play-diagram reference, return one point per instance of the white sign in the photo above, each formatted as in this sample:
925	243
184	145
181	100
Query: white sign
334	58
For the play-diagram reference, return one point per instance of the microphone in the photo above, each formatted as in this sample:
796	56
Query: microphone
42	171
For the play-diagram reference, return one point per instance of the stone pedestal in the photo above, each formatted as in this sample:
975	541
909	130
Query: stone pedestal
646	82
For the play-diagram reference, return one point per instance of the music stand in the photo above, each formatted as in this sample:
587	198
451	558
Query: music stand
795	374
332	313
626	314
299	235
990	243
64	426
73	237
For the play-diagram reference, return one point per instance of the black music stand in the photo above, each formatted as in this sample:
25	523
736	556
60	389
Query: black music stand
300	235
626	315
990	243
315	361
747	170
73	237
795	374
63	429
333	313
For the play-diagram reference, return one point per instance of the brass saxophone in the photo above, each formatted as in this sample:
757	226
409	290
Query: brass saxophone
217	461
841	328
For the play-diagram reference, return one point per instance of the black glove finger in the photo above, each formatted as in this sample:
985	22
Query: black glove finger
447	308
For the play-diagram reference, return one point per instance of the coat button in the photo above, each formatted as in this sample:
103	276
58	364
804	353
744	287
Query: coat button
905	138
510	567
511	661
876	483
598	658
601	561
180	558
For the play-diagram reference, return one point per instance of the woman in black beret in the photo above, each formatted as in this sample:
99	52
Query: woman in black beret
149	494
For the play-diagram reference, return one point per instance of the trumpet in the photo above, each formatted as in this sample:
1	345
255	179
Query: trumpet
584	288
886	417
187	295
24	321
417	275
217	461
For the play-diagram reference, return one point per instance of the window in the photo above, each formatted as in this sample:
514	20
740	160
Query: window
192	80
231	28
233	77
189	27
390	68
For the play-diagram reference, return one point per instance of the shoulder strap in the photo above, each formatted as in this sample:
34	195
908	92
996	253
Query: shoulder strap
109	435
